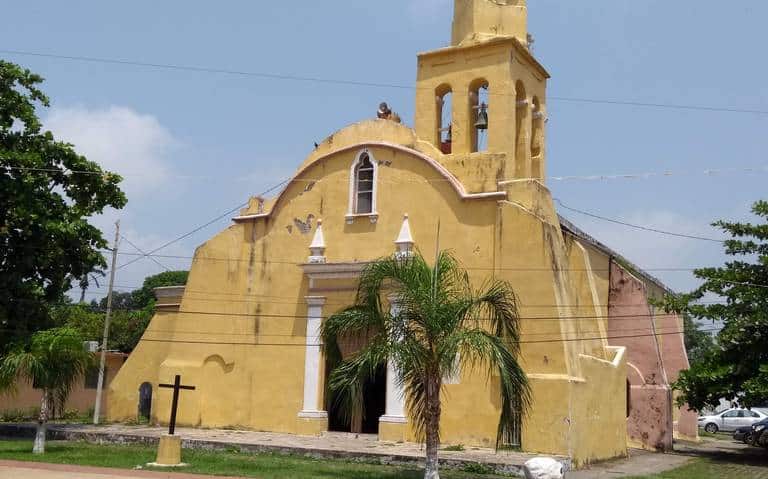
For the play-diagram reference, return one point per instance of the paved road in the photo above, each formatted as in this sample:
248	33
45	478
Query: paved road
23	470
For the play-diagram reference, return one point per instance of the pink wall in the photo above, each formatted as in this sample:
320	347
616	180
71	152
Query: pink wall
81	399
630	324
675	359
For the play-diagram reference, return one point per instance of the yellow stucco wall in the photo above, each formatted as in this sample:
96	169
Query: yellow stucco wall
240	333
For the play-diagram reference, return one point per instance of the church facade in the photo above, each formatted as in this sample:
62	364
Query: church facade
245	329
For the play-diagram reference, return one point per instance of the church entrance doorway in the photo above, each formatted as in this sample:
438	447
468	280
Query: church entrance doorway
374	400
145	402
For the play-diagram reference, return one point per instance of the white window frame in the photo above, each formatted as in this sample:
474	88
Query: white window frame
352	210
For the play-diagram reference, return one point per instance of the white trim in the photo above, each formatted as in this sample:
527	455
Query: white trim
352	208
313	415
350	218
394	410
452	180
393	419
312	355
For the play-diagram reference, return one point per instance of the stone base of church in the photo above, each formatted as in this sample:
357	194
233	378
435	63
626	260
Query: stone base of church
393	429
312	423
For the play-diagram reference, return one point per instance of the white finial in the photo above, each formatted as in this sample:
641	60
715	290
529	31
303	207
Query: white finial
317	248
404	240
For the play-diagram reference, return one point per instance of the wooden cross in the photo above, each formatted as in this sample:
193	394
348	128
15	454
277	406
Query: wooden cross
176	386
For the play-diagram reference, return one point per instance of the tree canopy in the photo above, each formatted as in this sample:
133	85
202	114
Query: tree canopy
736	368
131	313
47	193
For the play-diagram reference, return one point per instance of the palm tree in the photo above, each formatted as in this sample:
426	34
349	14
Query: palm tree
52	361
438	318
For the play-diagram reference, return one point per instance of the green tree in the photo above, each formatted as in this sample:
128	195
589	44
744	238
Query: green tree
736	368
131	314
52	361
145	296
47	192
438	318
697	341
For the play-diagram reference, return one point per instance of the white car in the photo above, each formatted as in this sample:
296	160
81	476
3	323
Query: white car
731	419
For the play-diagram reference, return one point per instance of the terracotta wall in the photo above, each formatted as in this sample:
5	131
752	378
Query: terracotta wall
81	399
631	324
675	359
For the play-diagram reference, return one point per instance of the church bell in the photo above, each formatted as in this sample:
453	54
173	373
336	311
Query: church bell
482	117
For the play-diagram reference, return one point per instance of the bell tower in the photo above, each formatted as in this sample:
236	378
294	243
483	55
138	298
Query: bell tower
482	100
475	20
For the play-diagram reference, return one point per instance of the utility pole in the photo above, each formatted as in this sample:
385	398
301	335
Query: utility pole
100	386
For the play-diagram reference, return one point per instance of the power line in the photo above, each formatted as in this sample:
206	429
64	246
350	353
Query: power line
203	226
145	254
630	225
601	177
315	79
558	318
537	341
668	329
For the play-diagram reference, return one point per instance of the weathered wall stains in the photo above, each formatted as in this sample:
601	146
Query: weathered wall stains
631	324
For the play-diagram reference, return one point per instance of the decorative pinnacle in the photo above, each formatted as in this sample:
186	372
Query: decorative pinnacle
317	248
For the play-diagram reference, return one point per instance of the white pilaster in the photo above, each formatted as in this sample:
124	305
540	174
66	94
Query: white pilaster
312	408
394	411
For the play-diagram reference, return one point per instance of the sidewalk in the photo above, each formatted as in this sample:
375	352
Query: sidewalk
330	445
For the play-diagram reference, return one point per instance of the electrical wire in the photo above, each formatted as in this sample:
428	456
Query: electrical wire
630	225
536	341
357	83
203	226
144	253
628	176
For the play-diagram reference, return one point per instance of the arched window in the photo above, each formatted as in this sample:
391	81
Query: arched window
362	195
537	139
445	119
521	133
478	115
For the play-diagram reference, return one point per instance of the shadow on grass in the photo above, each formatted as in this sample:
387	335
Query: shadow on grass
725	451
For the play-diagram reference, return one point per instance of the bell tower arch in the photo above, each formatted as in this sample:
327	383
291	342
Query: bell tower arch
498	91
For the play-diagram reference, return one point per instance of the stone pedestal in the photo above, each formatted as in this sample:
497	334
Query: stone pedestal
169	452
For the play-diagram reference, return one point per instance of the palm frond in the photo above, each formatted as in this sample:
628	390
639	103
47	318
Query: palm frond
346	381
479	348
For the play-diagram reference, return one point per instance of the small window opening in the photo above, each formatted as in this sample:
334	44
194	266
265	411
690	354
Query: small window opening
521	140
479	104
537	138
444	120
364	184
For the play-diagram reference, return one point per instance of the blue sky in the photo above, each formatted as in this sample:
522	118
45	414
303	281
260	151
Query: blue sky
193	145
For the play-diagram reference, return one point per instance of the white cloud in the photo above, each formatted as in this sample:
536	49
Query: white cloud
119	139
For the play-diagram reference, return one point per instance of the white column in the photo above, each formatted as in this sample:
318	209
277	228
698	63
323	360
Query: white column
312	408
395	400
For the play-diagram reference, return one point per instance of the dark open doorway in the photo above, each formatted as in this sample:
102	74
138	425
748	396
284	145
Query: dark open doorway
374	398
145	402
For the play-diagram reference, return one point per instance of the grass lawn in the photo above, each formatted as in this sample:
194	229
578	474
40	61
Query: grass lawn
711	469
232	463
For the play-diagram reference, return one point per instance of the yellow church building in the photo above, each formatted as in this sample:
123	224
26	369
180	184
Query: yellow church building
245	329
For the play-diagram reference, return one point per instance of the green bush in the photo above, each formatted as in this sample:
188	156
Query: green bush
20	415
477	468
